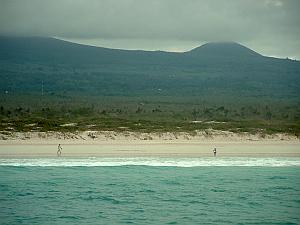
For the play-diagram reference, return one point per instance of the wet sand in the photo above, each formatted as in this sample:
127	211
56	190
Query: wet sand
153	149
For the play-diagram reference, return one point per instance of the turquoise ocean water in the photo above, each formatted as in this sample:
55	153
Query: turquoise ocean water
150	191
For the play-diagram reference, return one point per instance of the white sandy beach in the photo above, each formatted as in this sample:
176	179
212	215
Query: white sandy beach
131	144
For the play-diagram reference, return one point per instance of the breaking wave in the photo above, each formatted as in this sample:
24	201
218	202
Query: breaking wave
154	161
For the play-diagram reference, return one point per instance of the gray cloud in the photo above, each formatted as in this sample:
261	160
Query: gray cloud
269	26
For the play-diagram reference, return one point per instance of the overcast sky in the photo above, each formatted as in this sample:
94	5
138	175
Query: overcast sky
271	27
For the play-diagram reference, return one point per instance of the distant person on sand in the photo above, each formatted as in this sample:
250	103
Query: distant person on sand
59	148
215	152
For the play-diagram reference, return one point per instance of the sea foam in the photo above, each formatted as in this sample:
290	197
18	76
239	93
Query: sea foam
154	161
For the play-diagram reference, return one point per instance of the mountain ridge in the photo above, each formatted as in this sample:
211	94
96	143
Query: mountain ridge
66	67
56	44
57	40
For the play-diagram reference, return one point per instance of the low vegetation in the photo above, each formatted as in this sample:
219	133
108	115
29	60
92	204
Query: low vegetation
32	113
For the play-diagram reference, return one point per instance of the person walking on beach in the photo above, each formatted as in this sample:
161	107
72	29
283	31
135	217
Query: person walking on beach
59	148
215	152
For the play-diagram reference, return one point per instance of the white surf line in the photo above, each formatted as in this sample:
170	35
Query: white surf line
155	161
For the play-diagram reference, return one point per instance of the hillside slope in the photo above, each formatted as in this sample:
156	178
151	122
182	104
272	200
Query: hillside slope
218	69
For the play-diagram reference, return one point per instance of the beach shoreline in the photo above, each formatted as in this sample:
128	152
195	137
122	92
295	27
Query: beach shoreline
134	144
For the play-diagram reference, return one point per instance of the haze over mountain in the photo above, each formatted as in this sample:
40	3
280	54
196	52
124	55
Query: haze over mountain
65	68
